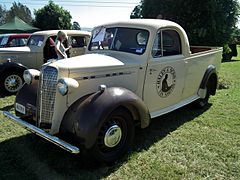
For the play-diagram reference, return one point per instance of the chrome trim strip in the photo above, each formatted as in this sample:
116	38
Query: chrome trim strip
53	139
104	75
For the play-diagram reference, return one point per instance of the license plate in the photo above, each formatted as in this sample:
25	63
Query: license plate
20	108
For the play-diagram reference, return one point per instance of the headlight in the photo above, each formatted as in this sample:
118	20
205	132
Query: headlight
62	87
27	77
65	85
30	75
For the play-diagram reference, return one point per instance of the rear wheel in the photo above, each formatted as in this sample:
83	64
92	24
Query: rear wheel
11	82
115	137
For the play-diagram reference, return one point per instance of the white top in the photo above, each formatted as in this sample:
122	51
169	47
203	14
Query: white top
60	46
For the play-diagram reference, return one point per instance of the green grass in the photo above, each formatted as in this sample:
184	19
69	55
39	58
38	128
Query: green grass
184	144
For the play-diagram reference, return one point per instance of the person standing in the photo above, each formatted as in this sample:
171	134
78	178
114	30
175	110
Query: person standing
59	47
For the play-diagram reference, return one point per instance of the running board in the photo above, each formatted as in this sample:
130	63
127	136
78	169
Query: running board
53	139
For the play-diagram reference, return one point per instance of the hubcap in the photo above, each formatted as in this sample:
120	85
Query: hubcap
13	83
113	136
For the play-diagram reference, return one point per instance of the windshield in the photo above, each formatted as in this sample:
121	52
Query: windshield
35	40
119	39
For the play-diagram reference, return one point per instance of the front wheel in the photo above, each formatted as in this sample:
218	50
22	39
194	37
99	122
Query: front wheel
115	137
11	82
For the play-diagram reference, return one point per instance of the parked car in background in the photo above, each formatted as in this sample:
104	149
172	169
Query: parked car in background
133	71
13	40
39	49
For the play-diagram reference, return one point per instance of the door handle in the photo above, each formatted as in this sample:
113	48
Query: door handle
152	70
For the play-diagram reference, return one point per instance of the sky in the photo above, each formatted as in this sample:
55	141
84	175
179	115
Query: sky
88	13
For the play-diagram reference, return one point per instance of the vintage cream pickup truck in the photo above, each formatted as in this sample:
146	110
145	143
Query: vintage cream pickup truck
14	60
133	71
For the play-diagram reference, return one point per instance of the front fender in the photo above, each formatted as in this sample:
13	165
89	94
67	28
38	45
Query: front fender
85	118
12	65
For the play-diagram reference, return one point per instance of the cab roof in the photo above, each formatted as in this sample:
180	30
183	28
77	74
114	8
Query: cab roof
151	24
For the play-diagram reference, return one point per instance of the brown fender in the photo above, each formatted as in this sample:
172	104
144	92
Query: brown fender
5	67
86	116
210	75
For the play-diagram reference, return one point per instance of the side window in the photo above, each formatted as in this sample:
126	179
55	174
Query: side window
78	41
13	43
167	43
35	40
171	43
22	41
157	46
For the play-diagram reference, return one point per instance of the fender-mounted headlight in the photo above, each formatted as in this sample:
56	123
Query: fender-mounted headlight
30	75
65	85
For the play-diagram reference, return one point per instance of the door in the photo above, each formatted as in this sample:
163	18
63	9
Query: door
165	73
78	44
32	59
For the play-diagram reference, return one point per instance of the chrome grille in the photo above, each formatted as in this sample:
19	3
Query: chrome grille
46	96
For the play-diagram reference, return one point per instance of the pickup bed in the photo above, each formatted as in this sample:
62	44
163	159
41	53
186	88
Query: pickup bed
133	71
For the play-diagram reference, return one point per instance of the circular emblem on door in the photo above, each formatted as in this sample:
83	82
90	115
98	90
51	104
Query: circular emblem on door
166	81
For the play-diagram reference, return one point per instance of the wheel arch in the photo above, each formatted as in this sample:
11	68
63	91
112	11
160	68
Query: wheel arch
210	79
85	117
7	69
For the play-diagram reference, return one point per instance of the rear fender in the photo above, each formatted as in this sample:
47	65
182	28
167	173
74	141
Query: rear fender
85	117
209	76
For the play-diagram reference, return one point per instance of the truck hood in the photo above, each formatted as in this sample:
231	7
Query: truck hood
88	61
14	49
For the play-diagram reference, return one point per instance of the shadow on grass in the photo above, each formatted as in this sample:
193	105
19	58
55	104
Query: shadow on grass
7	108
161	126
230	61
2	95
30	157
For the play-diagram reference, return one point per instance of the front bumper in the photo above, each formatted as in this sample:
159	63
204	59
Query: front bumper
53	139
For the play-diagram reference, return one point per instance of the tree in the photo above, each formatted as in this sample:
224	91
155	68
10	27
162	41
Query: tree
210	22
20	10
52	16
76	26
137	12
2	15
